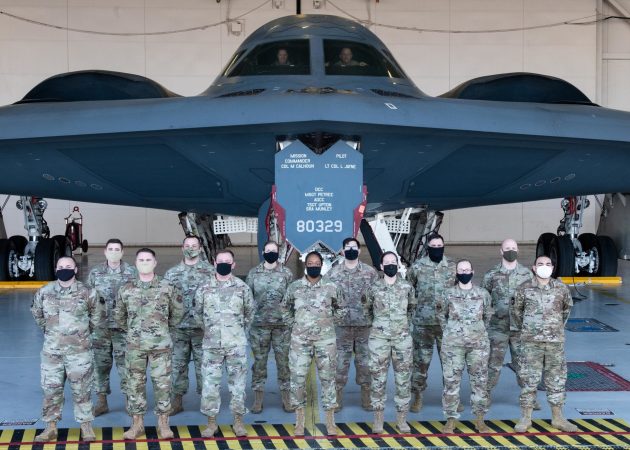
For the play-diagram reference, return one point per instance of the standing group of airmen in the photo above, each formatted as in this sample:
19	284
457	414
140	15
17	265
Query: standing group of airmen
130	315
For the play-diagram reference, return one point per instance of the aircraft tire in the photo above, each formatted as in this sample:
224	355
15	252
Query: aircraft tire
19	242
46	256
7	248
543	244
607	256
65	246
562	255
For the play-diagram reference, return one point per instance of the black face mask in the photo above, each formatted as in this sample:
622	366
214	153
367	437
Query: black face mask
351	254
464	278
224	269
65	274
271	257
436	254
510	255
390	269
314	271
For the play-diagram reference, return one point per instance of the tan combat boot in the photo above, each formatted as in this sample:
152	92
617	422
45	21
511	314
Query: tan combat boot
366	402
176	405
286	401
480	425
164	431
449	427
299	422
416	404
87	432
101	406
525	422
331	428
238	426
377	427
401	422
558	421
49	433
136	429
211	429
339	400
257	407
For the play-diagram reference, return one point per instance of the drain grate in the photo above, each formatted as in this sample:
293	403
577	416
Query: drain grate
588	326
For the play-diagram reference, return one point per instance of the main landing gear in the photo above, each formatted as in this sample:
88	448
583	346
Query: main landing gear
575	254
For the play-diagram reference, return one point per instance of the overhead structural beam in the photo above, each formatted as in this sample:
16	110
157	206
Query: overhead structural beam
619	8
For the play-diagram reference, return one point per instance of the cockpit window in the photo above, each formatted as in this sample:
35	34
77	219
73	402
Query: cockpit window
274	58
354	58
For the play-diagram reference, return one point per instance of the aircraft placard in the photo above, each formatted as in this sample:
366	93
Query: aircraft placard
318	193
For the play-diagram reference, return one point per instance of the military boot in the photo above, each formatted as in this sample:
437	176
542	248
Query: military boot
257	407
101	406
525	422
176	405
331	428
299	422
377	427
238	427
339	400
416	404
449	427
480	425
87	432
286	401
211	429
49	433
558	421
136	429
164	431
401	422
366	402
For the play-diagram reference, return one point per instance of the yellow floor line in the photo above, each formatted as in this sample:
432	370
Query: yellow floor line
311	415
98	432
359	431
6	436
184	433
271	431
564	437
609	281
117	434
22	284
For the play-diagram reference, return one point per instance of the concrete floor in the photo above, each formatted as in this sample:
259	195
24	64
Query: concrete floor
19	356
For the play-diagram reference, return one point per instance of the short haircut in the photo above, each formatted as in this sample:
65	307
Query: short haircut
225	250
192	236
316	253
145	250
68	257
432	236
270	242
461	261
388	253
351	239
543	256
114	241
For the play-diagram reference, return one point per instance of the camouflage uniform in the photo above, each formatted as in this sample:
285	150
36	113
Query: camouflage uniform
149	308
268	286
390	307
311	309
464	315
67	316
109	342
353	331
502	284
227	310
430	281
540	313
188	334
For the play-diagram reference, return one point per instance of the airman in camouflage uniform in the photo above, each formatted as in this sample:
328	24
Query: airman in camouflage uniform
353	277
311	304
268	282
67	311
109	341
390	303
464	311
430	275
149	306
540	311
501	281
188	334
226	306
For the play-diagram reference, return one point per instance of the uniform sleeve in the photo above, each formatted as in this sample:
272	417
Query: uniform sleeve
336	302
412	301
567	304
441	310
37	309
288	304
516	311
487	281
120	313
367	300
487	307
97	310
412	276
198	305
249	280
91	281
248	307
176	307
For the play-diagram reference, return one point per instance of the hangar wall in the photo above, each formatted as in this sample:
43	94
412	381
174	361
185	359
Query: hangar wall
589	56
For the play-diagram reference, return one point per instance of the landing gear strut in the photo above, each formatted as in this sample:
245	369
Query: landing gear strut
201	225
577	254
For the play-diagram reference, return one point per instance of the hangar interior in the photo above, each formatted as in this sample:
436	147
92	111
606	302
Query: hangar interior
36	42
